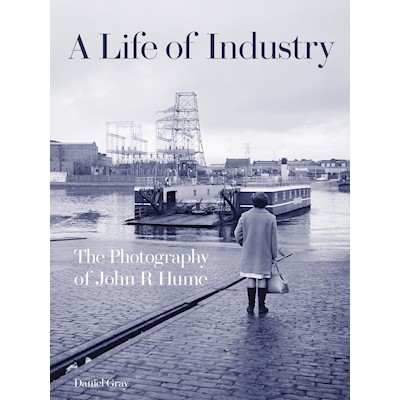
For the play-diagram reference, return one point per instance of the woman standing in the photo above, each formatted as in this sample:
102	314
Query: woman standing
256	232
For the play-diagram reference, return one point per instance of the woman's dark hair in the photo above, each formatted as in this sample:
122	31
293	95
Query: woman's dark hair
259	199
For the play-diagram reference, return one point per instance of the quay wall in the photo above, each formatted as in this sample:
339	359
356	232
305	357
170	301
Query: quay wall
117	180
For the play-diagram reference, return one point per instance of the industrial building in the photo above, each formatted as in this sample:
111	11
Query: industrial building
73	158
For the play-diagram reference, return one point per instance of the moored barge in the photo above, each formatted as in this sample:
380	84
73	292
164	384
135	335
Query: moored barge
281	199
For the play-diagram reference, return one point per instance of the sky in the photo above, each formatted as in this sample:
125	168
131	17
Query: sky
280	108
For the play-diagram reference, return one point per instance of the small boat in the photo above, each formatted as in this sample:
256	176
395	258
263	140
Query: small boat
344	182
344	186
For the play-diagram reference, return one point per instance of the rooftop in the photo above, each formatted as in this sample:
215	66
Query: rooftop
237	162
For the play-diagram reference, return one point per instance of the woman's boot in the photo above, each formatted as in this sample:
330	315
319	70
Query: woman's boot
251	293
262	292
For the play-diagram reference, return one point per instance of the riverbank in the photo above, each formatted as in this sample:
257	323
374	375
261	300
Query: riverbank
64	185
331	184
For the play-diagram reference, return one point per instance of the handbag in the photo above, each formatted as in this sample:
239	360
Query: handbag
276	283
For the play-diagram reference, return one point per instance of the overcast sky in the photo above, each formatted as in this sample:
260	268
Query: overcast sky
282	108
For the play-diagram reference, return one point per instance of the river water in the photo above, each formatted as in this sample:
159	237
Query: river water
100	212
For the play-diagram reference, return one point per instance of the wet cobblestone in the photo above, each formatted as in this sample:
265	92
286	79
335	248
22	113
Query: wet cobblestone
299	350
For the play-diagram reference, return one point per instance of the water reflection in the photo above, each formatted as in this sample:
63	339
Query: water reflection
223	233
91	216
104	210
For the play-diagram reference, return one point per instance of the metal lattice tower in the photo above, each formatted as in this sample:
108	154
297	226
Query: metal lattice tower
178	133
247	150
124	142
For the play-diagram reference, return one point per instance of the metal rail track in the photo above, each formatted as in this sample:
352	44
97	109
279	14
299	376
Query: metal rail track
58	369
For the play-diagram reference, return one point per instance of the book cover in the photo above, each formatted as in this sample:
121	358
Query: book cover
167	118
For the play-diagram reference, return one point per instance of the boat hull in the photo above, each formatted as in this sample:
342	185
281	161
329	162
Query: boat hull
282	200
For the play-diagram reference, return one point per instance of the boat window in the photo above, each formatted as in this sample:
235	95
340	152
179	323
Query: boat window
304	192
290	194
284	195
194	192
208	191
276	197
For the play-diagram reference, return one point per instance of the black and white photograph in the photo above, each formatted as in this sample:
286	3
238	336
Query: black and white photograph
199	200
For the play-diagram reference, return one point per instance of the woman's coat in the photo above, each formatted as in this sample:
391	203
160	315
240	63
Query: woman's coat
256	231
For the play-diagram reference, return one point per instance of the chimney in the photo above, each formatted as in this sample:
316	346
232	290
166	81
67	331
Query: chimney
284	169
